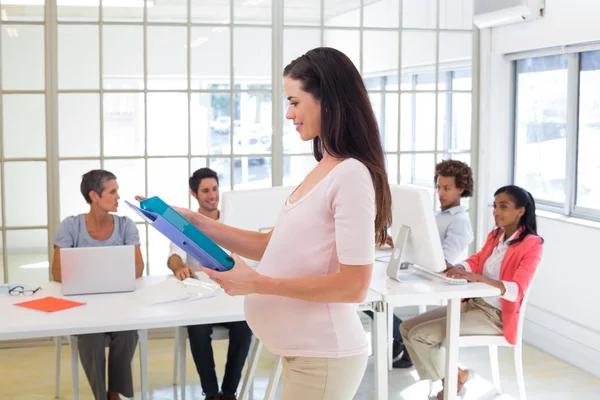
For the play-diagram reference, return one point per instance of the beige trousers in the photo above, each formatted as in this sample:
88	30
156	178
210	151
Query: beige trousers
424	334
316	378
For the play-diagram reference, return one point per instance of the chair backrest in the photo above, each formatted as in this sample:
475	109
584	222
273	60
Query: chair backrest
524	308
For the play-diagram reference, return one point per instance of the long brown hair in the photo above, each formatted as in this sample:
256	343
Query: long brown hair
348	125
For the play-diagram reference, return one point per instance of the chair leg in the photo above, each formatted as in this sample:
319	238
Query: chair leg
519	370
58	345
274	380
175	355
74	366
372	348
253	357
143	340
495	367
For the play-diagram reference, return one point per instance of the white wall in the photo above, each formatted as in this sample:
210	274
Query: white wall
562	318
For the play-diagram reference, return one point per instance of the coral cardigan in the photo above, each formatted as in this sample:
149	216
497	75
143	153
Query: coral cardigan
519	265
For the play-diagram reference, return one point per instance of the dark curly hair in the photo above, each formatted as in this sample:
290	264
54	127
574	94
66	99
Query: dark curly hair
462	173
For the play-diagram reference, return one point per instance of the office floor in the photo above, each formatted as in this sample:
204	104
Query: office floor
28	374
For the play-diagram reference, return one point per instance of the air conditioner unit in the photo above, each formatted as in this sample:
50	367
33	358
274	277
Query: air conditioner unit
490	13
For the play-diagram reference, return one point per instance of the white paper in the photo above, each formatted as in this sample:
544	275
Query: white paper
174	290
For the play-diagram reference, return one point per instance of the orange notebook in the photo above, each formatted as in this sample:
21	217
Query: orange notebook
49	304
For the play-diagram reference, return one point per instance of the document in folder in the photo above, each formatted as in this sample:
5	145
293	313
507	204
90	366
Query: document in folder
185	235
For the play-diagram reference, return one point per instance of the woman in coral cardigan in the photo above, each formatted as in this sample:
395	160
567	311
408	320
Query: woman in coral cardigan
508	261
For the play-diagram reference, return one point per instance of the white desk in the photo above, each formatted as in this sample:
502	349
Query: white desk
397	294
126	311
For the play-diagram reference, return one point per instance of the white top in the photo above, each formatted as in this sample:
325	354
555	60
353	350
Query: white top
188	260
456	232
491	270
332	224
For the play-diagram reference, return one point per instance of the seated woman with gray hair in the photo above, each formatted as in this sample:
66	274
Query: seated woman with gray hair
99	227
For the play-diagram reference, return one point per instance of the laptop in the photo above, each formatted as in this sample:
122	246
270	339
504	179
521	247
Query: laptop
94	270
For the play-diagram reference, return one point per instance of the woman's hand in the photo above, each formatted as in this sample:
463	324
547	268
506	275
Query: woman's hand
460	273
238	281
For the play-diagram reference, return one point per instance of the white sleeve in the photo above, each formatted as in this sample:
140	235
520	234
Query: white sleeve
177	251
512	291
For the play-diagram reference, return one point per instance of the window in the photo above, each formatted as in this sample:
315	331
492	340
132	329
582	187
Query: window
557	131
540	126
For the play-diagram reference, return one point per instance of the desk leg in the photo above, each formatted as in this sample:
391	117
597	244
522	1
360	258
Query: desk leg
274	379
389	312
73	342
452	337
143	341
381	355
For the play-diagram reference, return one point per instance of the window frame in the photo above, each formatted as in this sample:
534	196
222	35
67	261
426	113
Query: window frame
570	207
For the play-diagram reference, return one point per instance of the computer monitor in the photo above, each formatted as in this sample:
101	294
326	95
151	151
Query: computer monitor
254	209
414	230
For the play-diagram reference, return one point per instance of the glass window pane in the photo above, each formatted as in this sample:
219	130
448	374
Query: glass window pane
71	200
168	11
379	59
167	57
252	11
291	138
27	254
392	168
419	14
1	260
123	124
222	166
24	125
122	57
460	79
426	81
1	222
382	13
78	57
407	168
21	12
76	12
168	179
540	140
295	169
252	173
123	11
418	52
211	123
407	131
385	107
252	57
456	14
454	121
455	47
588	162
417	169
158	253
417	122
345	41
210	58
297	41
25	193
167	124
342	13
306	12
78	125
253	133
22	57
210	12
131	177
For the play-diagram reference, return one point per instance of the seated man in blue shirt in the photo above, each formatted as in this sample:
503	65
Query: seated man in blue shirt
204	187
453	181
99	227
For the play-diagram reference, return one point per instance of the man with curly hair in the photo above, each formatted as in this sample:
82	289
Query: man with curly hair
453	180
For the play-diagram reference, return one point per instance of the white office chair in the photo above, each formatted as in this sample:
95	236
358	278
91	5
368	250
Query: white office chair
143	342
219	333
494	341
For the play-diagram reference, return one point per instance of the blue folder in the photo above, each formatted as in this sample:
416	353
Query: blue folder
183	233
